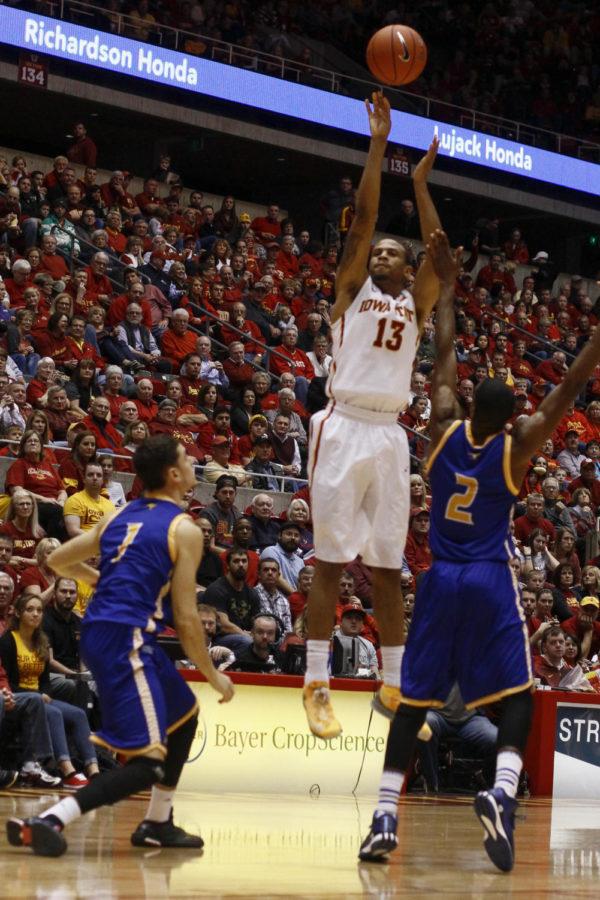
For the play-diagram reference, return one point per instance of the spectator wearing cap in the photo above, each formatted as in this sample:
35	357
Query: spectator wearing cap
155	270
417	550
62	229
588	478
585	627
533	518
220	451
570	458
555	511
350	628
178	341
222	513
290	359
166	423
138	341
474	359
264	472
285	553
544	273
256	312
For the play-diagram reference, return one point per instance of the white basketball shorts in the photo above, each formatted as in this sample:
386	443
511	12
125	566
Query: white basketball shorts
359	476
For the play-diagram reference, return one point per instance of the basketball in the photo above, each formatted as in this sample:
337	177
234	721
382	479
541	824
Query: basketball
396	55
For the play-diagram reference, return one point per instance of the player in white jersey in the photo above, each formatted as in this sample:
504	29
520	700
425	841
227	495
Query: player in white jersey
359	460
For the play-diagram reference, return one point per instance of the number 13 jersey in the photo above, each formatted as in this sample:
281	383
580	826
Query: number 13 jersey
374	345
472	497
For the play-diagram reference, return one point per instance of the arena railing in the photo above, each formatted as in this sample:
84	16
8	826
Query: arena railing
92	15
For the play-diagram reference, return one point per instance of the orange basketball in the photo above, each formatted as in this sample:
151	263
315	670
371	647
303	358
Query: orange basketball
396	54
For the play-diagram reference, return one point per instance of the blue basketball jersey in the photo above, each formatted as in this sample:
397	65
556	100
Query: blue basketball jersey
137	552
472	496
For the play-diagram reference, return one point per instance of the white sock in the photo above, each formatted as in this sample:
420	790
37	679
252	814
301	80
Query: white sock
391	658
317	661
508	769
161	804
66	810
390	787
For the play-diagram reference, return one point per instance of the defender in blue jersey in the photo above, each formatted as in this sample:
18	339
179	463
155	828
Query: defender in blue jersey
149	554
468	626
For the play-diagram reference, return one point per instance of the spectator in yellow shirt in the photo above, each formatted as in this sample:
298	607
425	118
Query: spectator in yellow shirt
85	508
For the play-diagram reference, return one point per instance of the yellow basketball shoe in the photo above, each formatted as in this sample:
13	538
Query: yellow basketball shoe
319	711
387	700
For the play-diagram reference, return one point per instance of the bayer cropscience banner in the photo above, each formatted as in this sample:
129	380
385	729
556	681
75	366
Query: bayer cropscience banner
189	73
577	751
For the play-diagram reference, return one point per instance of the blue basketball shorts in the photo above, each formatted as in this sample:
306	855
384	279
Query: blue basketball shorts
467	627
142	695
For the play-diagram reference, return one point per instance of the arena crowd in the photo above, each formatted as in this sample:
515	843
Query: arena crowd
126	314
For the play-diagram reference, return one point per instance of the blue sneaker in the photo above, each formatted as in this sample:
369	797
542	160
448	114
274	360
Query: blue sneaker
496	812
381	839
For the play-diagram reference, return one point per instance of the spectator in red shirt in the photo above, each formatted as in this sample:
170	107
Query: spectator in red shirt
589	480
107	437
296	361
54	343
515	248
178	341
553	369
298	599
550	667
585	627
417	551
83	150
18	284
114	193
267	228
31	472
533	518
147	406
51	261
149	200
493	274
99	287
286	261
236	368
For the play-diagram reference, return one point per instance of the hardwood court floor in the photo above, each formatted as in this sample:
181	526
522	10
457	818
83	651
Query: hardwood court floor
278	845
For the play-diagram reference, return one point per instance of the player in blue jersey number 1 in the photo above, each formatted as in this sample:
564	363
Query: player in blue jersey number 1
149	554
468	626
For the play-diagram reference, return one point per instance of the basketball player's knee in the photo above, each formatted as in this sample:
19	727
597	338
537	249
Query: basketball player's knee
154	768
179	743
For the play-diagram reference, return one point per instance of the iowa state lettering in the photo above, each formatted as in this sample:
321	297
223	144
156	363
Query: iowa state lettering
384	306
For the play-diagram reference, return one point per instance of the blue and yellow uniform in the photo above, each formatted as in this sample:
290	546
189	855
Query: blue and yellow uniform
142	696
468	625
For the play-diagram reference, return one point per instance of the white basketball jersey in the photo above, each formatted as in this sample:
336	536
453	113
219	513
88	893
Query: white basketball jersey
374	345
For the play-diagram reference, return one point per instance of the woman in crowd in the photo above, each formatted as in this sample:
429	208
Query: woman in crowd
60	416
226	220
299	513
83	385
537	555
25	655
38	421
113	488
46	377
418	492
581	512
39	576
566	593
222	252
207	400
72	469
243	410
564	551
134	435
22	524
20	342
590	581
31	472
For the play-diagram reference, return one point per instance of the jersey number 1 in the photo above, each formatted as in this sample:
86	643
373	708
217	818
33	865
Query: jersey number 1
457	508
395	341
133	530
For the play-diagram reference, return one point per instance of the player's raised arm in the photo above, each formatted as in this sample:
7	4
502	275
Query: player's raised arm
426	286
530	433
187	620
352	269
444	405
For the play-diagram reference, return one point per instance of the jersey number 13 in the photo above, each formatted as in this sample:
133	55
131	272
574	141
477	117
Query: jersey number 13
394	342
